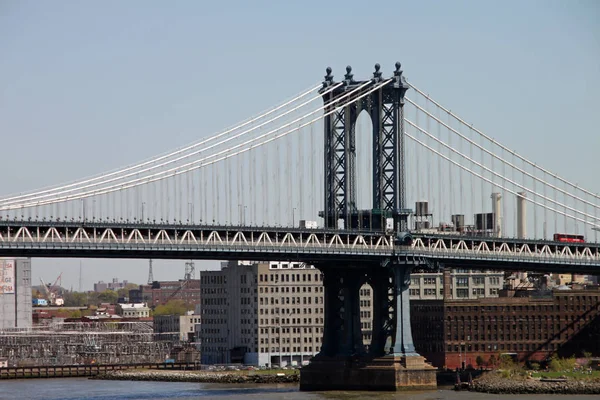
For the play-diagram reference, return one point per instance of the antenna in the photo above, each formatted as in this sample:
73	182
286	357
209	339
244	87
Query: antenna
79	277
150	277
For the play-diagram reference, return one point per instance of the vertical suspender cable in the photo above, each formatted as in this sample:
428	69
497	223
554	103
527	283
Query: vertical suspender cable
440	178
417	150
450	180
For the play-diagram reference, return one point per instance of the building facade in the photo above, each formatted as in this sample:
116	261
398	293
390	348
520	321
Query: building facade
133	310
15	293
456	333
464	284
161	292
266	313
102	286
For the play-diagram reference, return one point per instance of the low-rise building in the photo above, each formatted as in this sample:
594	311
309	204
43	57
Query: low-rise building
176	328
530	326
133	310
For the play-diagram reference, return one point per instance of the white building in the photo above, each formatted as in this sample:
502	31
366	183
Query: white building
15	293
133	310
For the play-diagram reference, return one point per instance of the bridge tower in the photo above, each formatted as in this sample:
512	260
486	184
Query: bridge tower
385	107
391	362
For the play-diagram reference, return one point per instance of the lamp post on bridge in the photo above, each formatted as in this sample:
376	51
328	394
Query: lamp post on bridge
143	205
293	217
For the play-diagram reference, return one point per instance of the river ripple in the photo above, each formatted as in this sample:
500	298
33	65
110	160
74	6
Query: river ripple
82	388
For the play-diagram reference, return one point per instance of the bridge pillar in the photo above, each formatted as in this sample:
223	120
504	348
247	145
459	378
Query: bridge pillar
392	362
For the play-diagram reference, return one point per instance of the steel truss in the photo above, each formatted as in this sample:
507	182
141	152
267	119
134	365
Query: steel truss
73	239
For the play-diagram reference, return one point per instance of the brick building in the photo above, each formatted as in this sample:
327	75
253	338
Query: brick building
453	333
160	292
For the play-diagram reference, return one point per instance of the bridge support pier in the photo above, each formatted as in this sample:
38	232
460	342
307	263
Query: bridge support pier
391	362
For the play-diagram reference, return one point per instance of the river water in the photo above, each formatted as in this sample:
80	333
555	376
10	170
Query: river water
83	388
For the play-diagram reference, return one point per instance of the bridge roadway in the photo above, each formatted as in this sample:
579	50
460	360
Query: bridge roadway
178	241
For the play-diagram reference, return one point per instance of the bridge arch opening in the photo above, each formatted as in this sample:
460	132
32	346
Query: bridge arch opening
363	133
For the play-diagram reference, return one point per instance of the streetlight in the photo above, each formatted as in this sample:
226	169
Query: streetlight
143	204
293	217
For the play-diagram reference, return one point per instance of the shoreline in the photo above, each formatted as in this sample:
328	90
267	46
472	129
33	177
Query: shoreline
492	383
197	376
486	384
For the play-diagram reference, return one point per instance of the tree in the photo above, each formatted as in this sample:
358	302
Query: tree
75	314
173	307
75	299
108	296
124	292
479	361
492	362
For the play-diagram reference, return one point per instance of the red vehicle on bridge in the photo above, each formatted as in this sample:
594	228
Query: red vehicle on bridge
563	237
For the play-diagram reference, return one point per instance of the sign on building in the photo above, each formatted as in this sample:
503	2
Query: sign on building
7	276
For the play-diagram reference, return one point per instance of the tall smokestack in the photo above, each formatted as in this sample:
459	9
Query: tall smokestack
497	214
521	215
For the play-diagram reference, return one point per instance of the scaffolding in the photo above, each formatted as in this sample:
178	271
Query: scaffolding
81	343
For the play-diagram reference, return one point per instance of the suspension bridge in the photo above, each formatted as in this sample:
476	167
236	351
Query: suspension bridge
384	145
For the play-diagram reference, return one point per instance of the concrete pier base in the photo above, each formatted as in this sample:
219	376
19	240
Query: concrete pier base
388	373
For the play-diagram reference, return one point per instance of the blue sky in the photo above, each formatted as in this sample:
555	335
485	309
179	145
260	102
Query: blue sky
88	87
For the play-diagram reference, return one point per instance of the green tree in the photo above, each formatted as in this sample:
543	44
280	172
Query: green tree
108	296
75	314
75	299
173	307
492	361
124	292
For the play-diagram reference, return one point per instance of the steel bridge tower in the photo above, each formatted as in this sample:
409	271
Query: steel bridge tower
391	362
385	107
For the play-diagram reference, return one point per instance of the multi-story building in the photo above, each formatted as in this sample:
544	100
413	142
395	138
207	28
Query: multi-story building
176	328
266	313
464	284
101	286
456	333
15	293
161	292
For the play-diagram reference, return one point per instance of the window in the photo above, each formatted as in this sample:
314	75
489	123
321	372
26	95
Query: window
462	293
462	282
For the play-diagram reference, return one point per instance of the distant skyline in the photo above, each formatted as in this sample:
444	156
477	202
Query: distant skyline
90	87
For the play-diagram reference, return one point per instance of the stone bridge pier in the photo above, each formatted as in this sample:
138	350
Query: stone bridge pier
391	363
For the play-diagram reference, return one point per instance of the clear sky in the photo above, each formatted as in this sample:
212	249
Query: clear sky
87	87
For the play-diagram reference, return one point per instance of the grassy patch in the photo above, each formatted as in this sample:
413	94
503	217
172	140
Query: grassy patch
570	375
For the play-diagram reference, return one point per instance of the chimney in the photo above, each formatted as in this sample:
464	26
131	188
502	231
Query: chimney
497	214
521	215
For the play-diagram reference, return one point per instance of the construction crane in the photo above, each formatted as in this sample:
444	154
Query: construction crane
50	292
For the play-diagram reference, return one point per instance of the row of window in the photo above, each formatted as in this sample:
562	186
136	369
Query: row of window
295	349
286	277
286	289
286	339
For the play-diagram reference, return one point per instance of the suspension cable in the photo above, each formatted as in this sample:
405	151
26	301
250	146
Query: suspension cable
193	165
494	172
31	198
508	162
171	154
493	183
502	146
